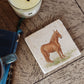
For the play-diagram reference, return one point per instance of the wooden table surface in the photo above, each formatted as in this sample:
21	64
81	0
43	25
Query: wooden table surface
26	69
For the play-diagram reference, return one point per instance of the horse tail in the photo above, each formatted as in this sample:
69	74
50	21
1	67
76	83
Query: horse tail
43	51
45	54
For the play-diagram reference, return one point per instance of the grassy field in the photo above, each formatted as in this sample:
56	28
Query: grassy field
59	60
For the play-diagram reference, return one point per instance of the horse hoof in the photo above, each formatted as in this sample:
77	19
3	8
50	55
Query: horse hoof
64	56
50	61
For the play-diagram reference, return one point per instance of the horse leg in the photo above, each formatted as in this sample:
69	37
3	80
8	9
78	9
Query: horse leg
62	53
46	55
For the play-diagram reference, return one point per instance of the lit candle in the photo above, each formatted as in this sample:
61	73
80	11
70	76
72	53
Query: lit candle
25	8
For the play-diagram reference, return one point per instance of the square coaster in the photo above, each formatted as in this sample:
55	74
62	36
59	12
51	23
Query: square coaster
52	46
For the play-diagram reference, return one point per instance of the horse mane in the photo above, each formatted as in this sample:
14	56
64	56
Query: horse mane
53	38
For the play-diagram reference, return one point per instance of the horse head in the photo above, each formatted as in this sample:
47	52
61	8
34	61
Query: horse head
57	34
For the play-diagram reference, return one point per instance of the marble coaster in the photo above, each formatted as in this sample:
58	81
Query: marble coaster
52	46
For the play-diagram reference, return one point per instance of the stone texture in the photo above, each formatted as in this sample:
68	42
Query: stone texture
26	69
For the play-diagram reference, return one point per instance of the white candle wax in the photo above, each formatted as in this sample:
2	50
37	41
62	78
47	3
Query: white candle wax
25	8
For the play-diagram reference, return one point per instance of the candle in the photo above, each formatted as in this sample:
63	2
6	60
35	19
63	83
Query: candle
25	8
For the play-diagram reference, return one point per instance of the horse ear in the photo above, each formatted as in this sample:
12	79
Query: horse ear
56	30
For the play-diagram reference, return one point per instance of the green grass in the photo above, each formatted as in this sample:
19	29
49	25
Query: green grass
59	60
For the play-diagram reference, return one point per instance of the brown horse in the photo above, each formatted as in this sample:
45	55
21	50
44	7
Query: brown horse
52	46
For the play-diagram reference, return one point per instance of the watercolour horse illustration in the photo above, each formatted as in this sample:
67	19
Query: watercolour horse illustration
52	46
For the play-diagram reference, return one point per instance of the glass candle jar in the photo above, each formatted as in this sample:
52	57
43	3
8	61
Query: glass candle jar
25	8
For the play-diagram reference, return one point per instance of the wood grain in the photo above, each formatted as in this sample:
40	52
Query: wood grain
26	69
81	5
71	74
